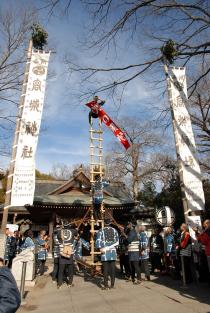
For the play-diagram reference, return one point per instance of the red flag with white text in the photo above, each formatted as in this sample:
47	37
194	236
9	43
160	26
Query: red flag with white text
96	108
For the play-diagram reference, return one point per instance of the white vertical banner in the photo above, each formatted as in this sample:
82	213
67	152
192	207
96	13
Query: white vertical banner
185	141
23	185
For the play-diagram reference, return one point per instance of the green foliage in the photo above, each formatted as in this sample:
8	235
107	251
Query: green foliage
39	36
169	51
43	176
148	194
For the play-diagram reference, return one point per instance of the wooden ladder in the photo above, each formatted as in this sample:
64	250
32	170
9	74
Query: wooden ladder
96	167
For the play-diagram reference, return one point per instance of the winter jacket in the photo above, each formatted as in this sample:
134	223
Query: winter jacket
156	244
27	243
144	249
185	244
9	294
204	238
169	243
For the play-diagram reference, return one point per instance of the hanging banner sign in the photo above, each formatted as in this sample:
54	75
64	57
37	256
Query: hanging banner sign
194	222
185	141
24	173
96	108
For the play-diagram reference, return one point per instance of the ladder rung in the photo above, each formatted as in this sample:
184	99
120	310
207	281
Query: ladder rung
97	147
99	173
95	163
99	139
96	131
95	252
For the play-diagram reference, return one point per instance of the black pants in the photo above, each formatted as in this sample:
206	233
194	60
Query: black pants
135	269
61	272
109	270
188	268
40	266
124	264
97	211
156	261
55	269
144	267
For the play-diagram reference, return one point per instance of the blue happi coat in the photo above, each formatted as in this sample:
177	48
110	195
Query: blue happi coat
98	190
169	243
107	239
56	245
7	248
133	245
78	245
41	250
27	243
144	246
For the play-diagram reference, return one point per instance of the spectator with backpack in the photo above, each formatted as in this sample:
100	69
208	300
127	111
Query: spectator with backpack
66	236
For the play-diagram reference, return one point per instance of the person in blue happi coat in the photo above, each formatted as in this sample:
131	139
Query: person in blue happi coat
27	242
156	250
41	252
107	240
169	247
10	248
80	243
133	253
66	237
97	190
56	253
144	252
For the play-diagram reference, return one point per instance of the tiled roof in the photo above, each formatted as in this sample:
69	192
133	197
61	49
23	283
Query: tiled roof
69	199
43	187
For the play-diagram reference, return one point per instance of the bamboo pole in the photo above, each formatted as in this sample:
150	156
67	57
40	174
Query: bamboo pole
15	141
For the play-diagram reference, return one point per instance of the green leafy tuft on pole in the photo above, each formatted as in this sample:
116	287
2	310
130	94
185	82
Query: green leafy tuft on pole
39	36
170	51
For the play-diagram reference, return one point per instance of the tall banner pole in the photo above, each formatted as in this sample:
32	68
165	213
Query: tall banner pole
15	142
184	200
188	165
